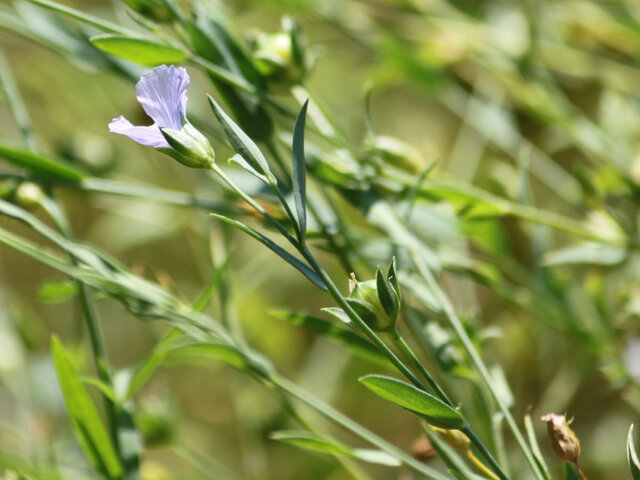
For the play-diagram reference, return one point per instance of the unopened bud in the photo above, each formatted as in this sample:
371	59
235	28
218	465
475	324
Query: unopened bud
564	441
363	298
8	187
189	146
455	438
279	56
28	195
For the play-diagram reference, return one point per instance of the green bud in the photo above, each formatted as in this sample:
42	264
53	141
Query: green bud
279	56
189	146
28	195
375	301
156	10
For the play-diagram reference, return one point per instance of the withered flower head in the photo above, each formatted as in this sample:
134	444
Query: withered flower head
564	440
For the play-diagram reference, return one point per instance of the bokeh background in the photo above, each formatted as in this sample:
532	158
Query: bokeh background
533	101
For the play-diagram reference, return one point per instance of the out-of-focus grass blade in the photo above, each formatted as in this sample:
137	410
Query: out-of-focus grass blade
335	333
84	416
300	170
142	51
82	16
41	165
535	448
407	396
286	256
204	299
632	456
585	253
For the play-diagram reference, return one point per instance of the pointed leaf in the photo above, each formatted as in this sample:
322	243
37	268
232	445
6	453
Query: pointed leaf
310	441
84	416
142	51
240	142
386	295
570	472
41	165
239	159
300	170
632	456
407	396
289	258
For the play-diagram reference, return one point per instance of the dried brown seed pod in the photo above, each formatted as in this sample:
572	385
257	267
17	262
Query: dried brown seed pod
564	440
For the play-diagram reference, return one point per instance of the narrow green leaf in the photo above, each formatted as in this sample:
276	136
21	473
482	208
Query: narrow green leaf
84	416
589	253
392	275
535	448
316	443
335	333
286	256
150	364
632	456
216	351
41	165
142	51
239	159
204	299
241	143
310	441
378	457
407	396
300	170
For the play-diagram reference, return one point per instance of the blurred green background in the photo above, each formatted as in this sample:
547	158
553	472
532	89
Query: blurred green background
534	101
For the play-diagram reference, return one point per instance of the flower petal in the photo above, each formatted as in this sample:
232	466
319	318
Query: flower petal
163	95
150	136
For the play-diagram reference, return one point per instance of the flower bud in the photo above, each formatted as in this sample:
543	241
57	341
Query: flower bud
377	301
564	441
28	195
455	438
189	146
279	56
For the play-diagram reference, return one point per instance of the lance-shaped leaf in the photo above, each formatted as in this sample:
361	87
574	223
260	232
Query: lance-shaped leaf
435	411
300	170
142	51
241	143
85	419
317	443
41	165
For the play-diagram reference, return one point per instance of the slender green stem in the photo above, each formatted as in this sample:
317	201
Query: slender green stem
91	318
218	171
418	364
16	105
443	396
475	358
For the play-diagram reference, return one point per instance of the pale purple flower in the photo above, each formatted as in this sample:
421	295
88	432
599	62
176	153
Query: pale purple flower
163	95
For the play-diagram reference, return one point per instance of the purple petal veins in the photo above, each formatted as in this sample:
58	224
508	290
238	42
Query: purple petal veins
163	95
